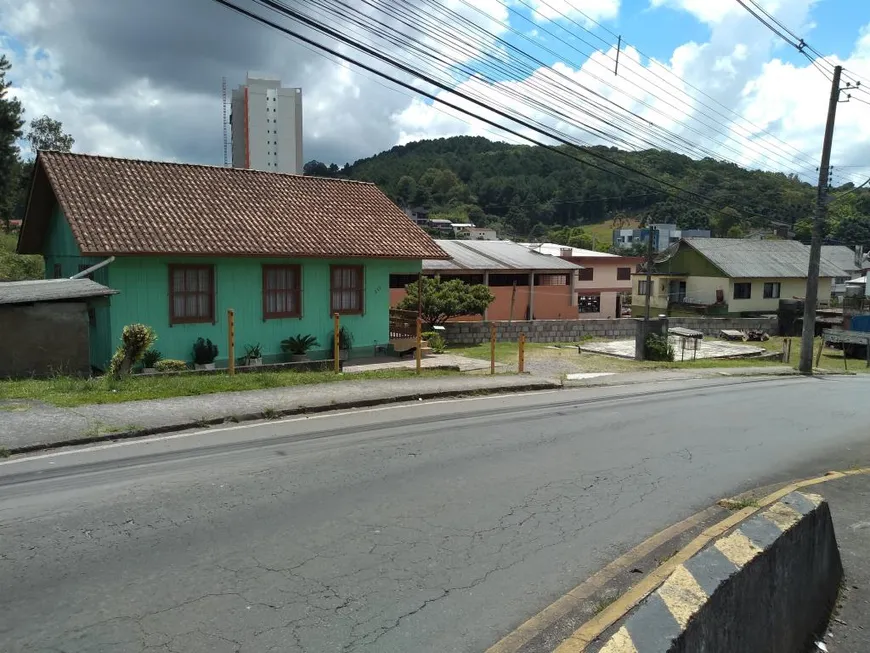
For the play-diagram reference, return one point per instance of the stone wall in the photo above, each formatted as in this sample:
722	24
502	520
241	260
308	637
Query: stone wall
473	333
44	339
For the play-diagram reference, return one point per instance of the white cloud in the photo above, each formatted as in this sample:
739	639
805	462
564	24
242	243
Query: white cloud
707	11
584	11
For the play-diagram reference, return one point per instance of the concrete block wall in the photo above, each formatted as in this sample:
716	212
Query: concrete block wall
474	333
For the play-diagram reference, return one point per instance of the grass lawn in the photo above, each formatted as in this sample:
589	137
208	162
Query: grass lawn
73	391
832	359
506	352
603	231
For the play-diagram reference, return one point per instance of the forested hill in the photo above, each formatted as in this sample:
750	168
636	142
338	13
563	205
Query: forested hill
527	191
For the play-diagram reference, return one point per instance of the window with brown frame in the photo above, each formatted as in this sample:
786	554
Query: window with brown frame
586	274
282	291
346	289
191	294
623	274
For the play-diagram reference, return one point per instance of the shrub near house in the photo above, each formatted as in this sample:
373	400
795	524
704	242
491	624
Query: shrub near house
284	252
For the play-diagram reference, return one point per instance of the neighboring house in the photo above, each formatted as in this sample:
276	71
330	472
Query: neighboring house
464	231
418	214
48	324
721	276
284	252
663	235
604	283
526	284
850	261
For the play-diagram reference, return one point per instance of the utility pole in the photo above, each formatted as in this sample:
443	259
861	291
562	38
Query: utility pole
649	264
812	295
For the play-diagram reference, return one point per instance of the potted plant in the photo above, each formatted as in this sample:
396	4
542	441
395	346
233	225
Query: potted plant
345	342
204	353
298	346
253	355
149	361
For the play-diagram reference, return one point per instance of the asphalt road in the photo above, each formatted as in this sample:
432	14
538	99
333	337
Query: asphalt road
435	527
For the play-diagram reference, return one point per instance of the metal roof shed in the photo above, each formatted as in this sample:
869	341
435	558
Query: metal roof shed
47	326
495	256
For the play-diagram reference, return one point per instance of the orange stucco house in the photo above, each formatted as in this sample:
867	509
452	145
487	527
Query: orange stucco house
604	284
526	284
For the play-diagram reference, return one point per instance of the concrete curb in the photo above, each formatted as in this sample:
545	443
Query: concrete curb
769	585
539	385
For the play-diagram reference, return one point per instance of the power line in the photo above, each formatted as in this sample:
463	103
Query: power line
756	147
690	195
658	64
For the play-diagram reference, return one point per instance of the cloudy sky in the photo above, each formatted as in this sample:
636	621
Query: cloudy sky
142	78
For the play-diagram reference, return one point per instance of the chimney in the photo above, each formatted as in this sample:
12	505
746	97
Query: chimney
565	252
859	256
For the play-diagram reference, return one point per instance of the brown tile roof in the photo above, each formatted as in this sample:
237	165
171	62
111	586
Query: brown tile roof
129	207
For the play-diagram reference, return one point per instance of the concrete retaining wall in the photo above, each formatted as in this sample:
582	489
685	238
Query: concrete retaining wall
474	333
770	586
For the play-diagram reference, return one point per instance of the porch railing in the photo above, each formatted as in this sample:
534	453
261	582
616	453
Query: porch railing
403	324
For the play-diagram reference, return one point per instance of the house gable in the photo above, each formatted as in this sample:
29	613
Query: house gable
687	260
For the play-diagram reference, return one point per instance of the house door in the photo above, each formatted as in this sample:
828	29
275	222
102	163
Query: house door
677	291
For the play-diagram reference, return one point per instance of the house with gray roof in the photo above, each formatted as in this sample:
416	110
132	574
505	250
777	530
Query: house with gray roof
729	276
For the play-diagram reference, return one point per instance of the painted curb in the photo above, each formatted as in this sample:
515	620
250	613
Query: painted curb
290	412
769	585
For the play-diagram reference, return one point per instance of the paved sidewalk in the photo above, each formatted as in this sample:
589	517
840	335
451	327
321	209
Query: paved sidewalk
849	498
34	425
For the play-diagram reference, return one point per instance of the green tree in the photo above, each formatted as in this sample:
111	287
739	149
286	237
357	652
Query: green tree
406	188
803	230
571	237
11	121
736	231
722	221
47	134
315	168
443	300
14	266
853	230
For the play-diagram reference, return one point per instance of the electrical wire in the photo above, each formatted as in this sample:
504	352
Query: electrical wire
690	196
654	62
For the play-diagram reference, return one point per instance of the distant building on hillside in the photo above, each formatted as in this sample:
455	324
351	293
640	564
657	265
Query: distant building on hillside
664	235
266	125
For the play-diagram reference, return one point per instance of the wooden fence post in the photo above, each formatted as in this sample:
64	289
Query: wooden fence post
419	349
492	348
336	352
522	366
231	341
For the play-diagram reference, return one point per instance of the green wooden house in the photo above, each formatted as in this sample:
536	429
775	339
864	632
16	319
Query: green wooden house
189	242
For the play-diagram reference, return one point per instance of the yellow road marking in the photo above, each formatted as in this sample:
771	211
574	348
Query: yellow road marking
737	548
593	628
577	596
620	643
782	515
682	594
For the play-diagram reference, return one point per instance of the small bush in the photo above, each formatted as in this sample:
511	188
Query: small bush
150	358
170	365
204	351
136	339
657	348
437	343
299	345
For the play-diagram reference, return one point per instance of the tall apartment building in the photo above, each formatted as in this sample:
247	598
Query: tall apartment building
266	126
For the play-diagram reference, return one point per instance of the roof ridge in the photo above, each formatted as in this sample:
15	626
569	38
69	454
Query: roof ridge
209	166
